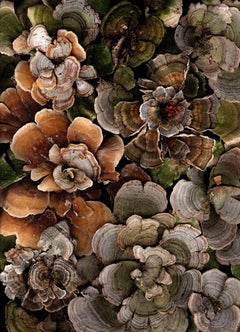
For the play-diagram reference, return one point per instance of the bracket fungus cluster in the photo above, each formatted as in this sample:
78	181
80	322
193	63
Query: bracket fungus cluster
17	108
131	35
151	266
73	155
120	165
164	121
54	71
217	205
44	278
211	35
217	306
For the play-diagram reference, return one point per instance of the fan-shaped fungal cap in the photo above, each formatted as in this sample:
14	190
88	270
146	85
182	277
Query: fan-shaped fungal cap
12	101
43	171
20	44
61	202
57	133
67	72
27	230
23	76
16	108
103	107
126	117
153	279
85	21
60	48
144	149
76	49
57	241
53	68
39	38
109	95
209	15
137	229
120	12
189	200
231	253
226	85
198	17
14	282
190	281
30	144
220	54
135	198
226	204
10	27
168	70
218	232
108	155
187	244
105	246
84	88
88	72
85	218
140	313
128	172
82	130
93	313
143	231
195	150
227	167
143	254
171	13
23	198
204	112
39	64
61	99
62	268
117	282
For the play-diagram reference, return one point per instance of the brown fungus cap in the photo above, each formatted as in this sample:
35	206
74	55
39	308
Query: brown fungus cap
85	218
30	144
27	230
22	199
